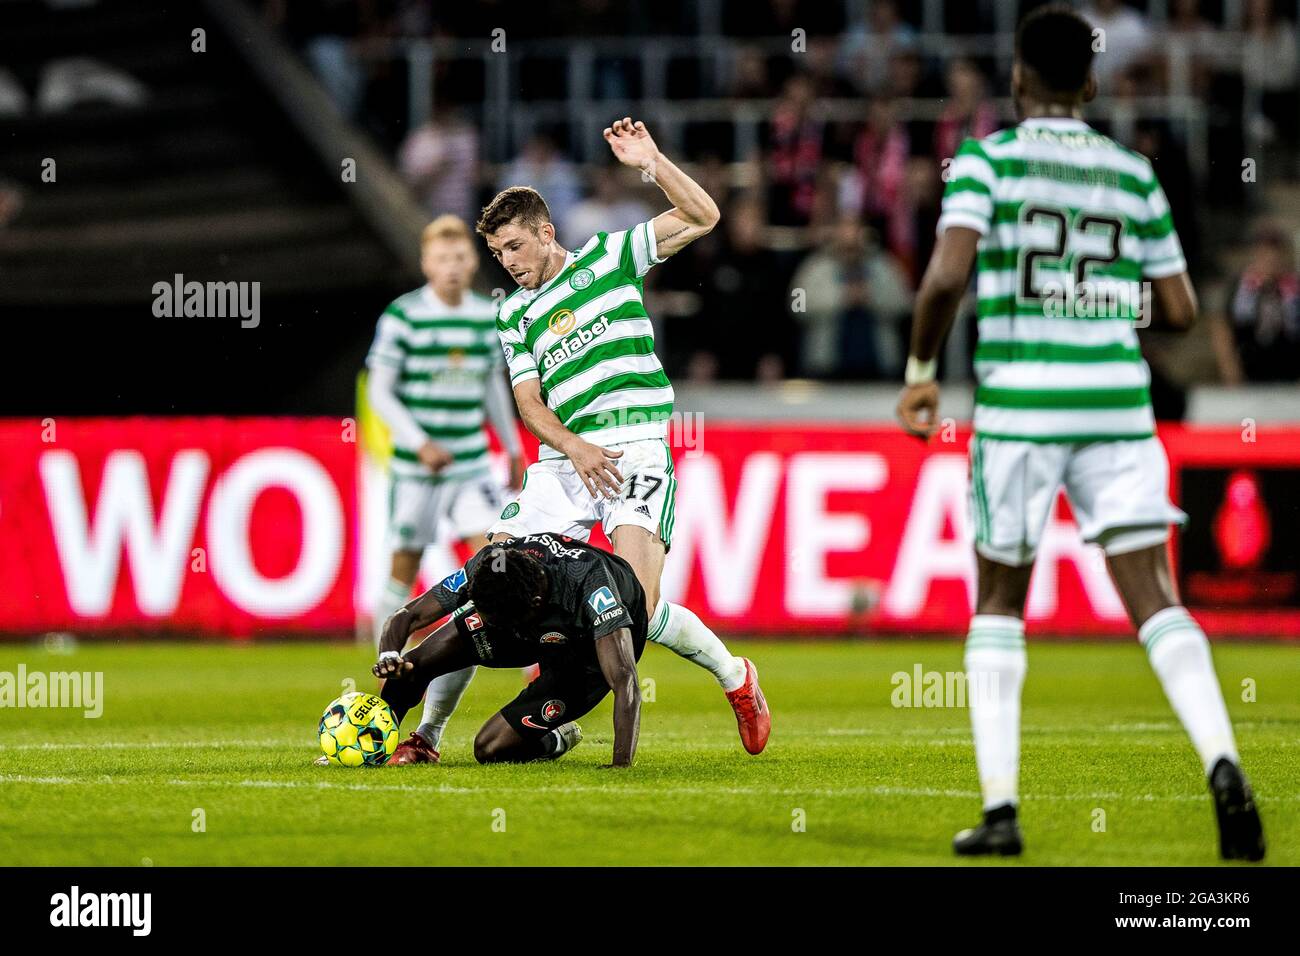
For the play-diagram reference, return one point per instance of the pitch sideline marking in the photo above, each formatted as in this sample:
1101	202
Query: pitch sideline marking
942	736
620	791
153	745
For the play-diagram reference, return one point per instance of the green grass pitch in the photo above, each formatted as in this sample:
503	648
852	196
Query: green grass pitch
847	778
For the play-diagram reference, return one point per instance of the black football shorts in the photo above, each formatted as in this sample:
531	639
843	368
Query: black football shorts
566	689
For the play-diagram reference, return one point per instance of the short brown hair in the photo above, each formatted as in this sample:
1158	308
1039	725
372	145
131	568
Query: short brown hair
521	204
446	226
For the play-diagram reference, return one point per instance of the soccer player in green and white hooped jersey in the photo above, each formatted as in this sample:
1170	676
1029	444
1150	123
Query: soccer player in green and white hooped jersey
435	375
1063	224
587	382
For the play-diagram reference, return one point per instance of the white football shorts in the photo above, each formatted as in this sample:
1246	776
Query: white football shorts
1118	490
555	499
418	510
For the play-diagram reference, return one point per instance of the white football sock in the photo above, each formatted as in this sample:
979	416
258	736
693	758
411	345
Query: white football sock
393	596
1180	656
995	672
440	701
678	629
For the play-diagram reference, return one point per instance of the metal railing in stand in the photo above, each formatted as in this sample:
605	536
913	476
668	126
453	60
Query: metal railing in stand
508	119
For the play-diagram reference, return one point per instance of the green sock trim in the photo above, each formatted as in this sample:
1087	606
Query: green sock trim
993	646
658	624
1184	623
999	638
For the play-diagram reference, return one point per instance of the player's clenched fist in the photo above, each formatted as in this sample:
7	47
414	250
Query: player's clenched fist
391	665
434	457
918	409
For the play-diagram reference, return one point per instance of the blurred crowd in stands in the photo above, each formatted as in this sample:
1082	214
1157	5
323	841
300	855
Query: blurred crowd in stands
828	223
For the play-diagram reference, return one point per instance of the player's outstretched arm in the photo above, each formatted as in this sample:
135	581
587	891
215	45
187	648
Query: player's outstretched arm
694	212
936	306
428	608
391	641
443	651
618	664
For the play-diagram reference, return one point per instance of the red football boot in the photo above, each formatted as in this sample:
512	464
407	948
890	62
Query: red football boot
752	716
414	749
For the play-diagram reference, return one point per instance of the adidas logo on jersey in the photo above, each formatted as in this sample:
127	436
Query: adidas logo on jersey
643	510
575	343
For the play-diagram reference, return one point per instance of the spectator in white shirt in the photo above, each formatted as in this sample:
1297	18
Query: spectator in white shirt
440	160
542	167
612	206
1126	36
1270	67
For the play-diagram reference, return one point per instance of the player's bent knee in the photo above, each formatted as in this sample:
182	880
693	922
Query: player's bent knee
495	742
487	749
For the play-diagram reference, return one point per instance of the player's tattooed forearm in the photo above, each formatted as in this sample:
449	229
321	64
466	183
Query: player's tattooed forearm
672	234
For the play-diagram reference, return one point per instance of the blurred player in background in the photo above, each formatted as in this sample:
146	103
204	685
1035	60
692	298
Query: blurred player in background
580	351
435	374
1052	210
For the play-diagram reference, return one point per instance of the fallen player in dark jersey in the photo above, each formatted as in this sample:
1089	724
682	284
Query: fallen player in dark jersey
577	611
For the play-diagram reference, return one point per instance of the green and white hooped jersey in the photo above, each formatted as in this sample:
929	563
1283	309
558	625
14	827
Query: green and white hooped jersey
585	334
1072	224
444	356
